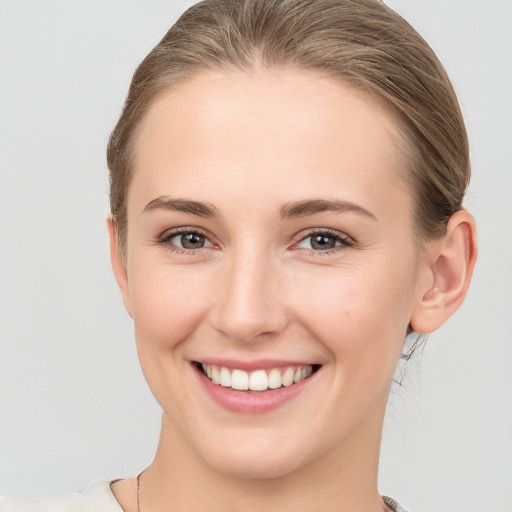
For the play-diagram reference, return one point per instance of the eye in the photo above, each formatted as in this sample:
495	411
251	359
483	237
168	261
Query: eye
186	240
324	241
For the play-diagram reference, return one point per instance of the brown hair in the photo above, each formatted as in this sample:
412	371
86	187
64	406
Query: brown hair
362	42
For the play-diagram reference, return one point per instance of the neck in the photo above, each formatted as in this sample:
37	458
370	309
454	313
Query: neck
342	480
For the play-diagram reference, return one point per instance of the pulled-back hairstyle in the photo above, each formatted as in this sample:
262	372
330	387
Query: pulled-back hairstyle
360	42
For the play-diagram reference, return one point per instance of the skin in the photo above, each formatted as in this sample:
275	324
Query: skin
248	145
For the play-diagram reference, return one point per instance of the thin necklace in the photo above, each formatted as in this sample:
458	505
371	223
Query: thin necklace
138	490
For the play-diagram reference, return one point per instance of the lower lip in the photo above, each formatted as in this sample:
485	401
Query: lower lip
247	402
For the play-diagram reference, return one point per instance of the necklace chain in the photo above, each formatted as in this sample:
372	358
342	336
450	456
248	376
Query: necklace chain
138	490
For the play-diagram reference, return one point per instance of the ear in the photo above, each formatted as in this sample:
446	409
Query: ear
118	265
450	263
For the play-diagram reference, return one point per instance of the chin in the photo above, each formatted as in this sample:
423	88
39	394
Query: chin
259	468
253	460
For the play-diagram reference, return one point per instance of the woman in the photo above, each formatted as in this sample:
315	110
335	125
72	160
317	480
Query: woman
287	180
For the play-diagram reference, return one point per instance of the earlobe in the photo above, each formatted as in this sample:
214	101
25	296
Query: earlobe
451	261
118	265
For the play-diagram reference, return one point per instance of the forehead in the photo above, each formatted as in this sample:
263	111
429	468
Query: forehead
267	127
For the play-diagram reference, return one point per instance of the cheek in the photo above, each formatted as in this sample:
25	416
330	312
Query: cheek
168	303
360	313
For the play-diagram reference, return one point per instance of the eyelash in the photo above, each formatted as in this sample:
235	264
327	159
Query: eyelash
169	235
343	241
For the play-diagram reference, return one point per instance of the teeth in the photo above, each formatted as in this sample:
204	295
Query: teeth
287	378
225	377
259	380
239	379
274	379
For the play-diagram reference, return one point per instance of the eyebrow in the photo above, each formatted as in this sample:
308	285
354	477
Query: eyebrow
311	206
289	210
183	205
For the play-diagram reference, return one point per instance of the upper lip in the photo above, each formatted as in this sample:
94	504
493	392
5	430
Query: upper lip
253	364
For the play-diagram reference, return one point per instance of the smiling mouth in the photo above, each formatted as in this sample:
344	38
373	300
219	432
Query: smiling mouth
258	380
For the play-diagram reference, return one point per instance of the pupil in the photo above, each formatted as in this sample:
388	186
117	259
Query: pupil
192	241
323	242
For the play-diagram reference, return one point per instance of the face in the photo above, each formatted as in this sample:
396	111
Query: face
270	245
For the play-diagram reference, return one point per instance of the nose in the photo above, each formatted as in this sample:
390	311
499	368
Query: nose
250	302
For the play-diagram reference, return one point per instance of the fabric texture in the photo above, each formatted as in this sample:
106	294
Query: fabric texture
390	502
97	497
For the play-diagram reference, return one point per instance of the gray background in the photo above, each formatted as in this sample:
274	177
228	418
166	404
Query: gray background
74	406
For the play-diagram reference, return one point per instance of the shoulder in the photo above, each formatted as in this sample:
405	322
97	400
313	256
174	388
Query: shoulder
96	498
393	504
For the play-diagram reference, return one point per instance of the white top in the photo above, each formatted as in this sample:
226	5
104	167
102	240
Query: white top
98	497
